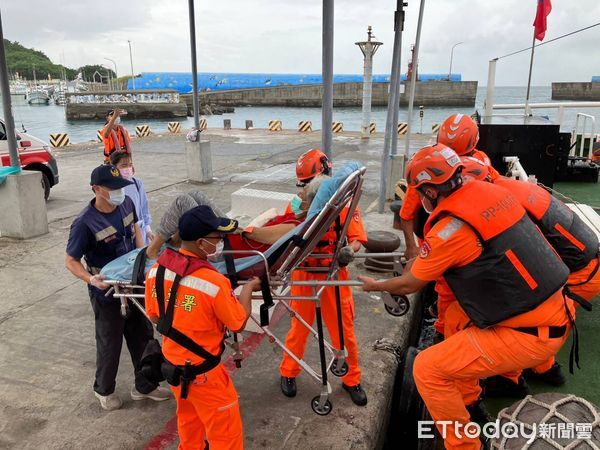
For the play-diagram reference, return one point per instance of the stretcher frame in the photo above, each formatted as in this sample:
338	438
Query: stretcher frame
278	277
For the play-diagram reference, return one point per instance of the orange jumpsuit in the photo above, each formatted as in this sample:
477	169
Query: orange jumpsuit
447	374
408	211
296	338
205	305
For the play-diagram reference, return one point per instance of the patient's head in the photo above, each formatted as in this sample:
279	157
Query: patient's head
307	195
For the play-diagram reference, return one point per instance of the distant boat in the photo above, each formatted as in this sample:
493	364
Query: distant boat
38	97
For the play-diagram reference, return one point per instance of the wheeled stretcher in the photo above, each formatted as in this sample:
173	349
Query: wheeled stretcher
275	268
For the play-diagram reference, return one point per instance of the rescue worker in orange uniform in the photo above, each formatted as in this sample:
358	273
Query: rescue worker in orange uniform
186	296
460	133
114	135
575	243
309	165
480	239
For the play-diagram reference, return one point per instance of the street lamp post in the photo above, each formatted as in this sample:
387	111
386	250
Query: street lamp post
115	64
108	76
131	62
451	55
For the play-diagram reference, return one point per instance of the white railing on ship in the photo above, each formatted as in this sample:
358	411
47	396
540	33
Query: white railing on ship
591	136
555	105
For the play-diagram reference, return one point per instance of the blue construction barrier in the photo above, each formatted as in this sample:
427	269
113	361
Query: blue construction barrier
182	81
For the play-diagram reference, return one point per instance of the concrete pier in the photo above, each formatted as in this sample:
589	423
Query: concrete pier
576	91
427	93
47	348
139	104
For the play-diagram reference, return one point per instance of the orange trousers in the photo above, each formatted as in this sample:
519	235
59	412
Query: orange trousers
296	338
210	412
447	374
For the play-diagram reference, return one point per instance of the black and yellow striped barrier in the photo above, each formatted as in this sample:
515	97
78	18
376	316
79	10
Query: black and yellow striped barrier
59	139
100	136
174	127
402	128
435	128
372	128
275	125
202	124
337	127
142	130
305	126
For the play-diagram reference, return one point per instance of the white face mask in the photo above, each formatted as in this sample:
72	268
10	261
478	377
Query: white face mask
217	255
117	120
116	197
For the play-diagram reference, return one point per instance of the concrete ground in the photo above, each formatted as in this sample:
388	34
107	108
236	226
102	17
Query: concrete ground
47	348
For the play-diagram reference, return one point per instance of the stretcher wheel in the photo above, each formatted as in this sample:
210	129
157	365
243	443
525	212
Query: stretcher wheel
401	307
321	410
339	371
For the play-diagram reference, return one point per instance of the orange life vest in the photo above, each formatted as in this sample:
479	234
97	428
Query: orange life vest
517	269
572	239
109	142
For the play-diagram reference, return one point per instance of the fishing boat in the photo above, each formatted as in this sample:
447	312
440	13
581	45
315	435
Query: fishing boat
38	97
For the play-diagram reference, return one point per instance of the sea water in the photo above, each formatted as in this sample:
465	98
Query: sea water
41	120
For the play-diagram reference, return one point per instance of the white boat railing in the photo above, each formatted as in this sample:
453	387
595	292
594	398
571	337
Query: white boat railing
585	138
560	106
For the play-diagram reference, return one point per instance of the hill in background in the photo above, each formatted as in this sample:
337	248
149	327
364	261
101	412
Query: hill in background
22	60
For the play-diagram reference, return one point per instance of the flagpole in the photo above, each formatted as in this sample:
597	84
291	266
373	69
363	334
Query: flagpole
529	79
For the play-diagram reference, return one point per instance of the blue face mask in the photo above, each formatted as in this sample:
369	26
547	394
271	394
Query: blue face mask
295	205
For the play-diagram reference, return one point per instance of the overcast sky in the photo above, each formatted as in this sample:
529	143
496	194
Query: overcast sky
284	36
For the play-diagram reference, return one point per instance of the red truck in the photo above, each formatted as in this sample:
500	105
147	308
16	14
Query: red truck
34	154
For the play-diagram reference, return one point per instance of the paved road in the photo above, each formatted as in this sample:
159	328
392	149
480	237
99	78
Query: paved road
47	351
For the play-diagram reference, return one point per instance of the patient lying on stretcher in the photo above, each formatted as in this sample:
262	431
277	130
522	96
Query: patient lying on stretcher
258	238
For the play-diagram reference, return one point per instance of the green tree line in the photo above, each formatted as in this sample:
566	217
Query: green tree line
23	60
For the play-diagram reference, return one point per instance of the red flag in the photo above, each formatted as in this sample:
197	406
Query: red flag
543	9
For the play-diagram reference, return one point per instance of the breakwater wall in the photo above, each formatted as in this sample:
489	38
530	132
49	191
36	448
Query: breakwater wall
429	93
580	91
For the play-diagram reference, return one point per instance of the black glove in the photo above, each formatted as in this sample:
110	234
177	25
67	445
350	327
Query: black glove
346	256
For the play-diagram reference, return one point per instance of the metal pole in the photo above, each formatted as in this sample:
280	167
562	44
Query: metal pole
327	107
529	79
115	64
491	83
194	64
390	126
451	56
7	106
413	80
131	62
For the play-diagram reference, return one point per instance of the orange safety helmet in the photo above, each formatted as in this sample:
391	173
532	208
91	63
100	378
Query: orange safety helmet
475	169
437	165
460	133
311	164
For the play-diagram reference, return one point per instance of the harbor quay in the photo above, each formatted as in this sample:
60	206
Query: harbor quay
47	348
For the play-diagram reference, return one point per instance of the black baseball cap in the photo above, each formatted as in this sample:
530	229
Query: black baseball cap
201	221
108	176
